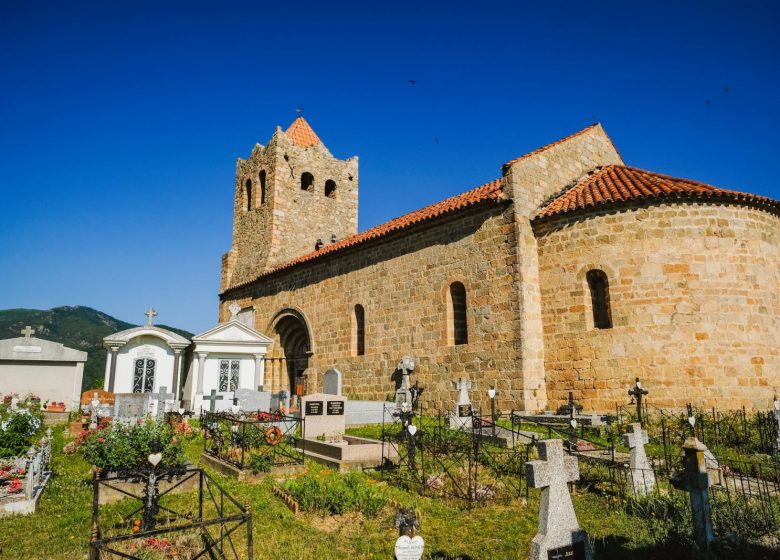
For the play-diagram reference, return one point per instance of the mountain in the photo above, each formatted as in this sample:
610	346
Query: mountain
82	328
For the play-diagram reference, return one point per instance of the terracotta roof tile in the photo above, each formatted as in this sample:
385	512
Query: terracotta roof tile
302	134
487	192
548	146
618	183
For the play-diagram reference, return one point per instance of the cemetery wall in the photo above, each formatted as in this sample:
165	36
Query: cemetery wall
289	221
402	283
695	300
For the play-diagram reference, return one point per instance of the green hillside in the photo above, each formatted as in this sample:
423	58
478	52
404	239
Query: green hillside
82	328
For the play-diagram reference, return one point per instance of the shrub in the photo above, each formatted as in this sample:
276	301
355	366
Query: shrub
124	448
336	493
17	430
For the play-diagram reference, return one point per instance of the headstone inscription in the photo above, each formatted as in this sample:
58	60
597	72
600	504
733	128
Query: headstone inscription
253	401
408	546
213	398
641	474
324	415
131	407
331	382
559	533
403	393
462	416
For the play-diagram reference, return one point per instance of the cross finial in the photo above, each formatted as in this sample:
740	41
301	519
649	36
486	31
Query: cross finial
27	331
150	314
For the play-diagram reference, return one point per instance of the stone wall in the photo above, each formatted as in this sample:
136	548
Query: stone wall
402	283
695	301
288	223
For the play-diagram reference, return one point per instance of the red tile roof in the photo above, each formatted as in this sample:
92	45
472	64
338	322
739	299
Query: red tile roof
618	183
487	192
548	146
302	134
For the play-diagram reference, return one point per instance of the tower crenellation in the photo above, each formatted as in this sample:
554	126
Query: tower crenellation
289	194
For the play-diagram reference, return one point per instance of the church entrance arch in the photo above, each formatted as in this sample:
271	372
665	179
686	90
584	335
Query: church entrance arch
294	349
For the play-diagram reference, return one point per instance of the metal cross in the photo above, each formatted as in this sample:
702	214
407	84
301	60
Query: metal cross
27	331
637	393
213	399
161	398
151	313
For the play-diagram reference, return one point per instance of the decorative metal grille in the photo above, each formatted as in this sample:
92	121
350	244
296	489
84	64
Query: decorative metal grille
143	375
224	372
234	375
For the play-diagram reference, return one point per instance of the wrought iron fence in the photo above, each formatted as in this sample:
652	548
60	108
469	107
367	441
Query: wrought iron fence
256	441
214	525
460	461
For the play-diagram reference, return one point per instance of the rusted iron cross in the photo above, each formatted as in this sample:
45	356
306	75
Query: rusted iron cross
637	393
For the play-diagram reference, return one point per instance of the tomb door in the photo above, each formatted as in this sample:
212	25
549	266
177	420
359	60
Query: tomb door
143	375
229	371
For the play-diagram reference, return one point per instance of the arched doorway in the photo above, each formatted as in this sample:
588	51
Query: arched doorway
292	334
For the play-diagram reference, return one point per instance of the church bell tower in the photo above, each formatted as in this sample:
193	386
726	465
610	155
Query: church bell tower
291	197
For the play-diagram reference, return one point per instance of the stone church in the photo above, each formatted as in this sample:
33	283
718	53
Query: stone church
571	271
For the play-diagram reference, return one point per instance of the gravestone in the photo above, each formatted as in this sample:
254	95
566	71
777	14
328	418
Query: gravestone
559	534
403	393
641	473
324	416
131	407
253	401
213	398
409	548
281	401
161	398
331	382
462	416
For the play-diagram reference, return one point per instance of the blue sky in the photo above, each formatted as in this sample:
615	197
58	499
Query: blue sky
120	121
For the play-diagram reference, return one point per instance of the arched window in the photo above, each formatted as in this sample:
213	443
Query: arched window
457	325
249	194
262	187
359	331
330	188
307	181
599	297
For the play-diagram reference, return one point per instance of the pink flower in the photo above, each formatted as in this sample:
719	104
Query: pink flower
101	440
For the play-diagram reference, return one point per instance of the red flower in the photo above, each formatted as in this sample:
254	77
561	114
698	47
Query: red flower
101	440
15	486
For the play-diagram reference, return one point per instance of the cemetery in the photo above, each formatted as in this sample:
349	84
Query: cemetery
144	483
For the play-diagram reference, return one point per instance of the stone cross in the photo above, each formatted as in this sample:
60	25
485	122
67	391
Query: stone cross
403	394
558	526
150	314
637	393
463	386
27	331
697	481
161	398
641	474
213	398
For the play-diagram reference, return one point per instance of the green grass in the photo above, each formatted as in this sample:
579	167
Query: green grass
61	527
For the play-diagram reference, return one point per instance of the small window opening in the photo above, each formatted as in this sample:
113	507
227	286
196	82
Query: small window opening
330	188
262	187
249	194
456	321
599	296
307	181
359	331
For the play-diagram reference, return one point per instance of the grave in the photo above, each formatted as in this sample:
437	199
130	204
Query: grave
35	465
461	418
129	408
253	401
641	475
404	393
331	382
324	418
559	534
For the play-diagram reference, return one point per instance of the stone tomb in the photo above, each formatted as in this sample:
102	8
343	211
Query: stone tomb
559	534
131	407
253	401
324	418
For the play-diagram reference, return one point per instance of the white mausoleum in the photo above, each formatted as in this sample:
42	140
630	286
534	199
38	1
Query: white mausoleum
144	359
46	369
229	357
